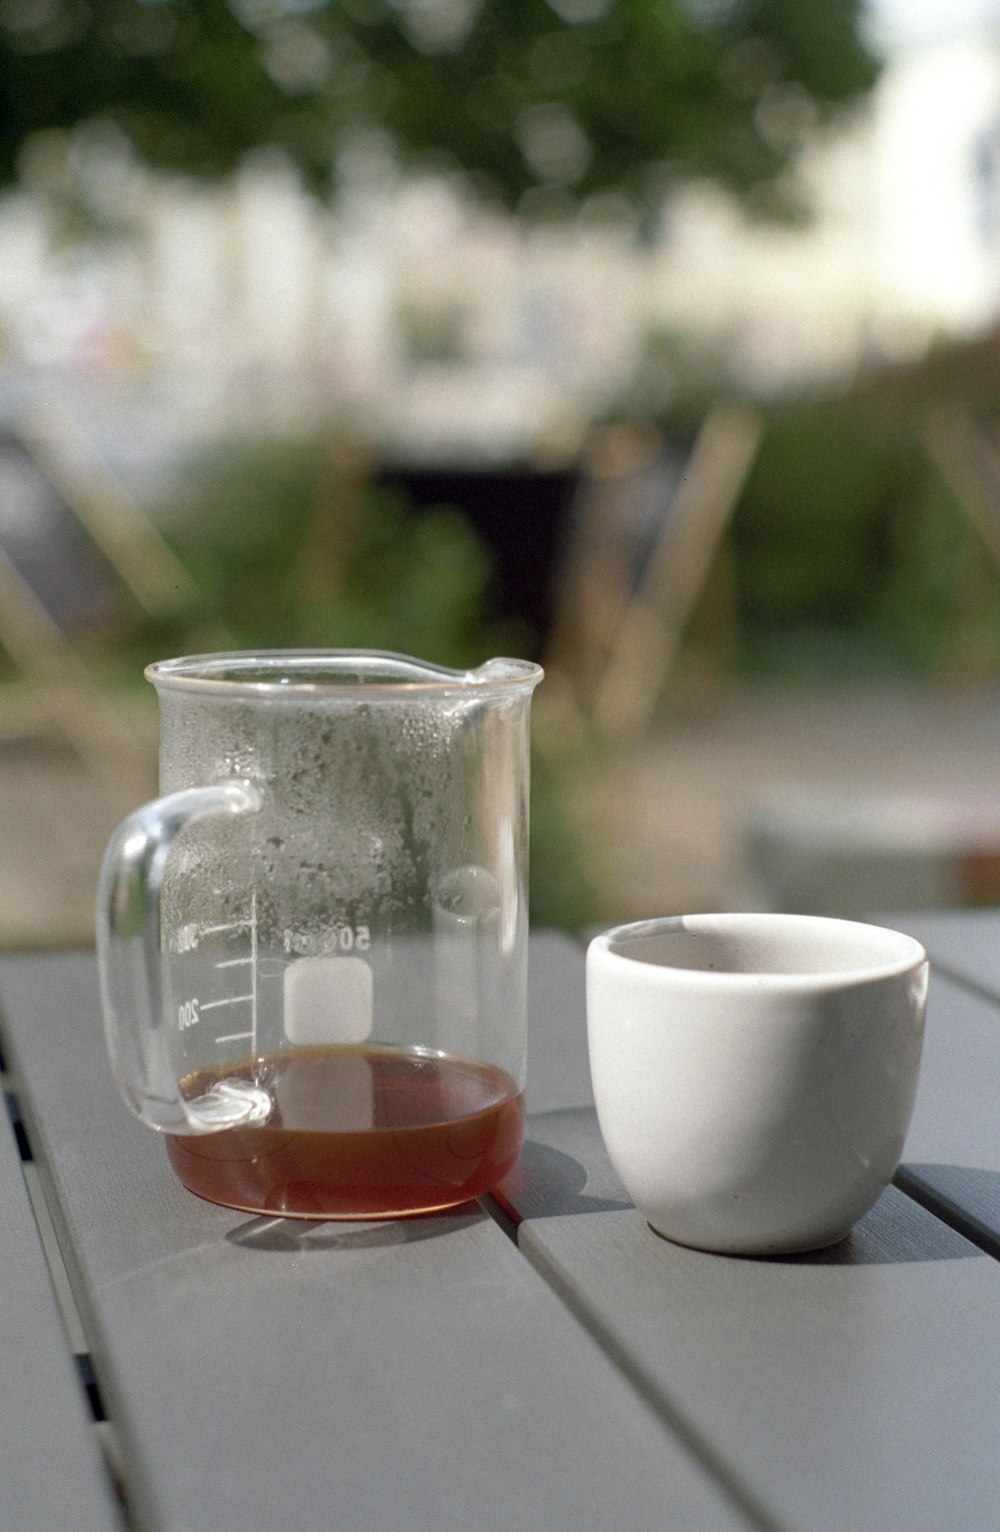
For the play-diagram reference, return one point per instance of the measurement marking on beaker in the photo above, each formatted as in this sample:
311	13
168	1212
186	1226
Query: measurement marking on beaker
236	962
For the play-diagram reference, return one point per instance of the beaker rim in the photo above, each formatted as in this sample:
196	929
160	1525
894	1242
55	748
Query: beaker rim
372	673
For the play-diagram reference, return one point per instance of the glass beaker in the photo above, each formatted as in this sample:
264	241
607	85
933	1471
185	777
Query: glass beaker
313	947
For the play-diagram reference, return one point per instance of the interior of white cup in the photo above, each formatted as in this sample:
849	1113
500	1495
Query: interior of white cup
764	944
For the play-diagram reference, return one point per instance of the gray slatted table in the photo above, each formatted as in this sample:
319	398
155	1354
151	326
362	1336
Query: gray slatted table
270	1374
436	1374
963	943
953	1149
53	1476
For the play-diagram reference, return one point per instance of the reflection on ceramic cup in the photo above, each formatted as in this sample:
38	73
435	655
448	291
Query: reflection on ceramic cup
754	1075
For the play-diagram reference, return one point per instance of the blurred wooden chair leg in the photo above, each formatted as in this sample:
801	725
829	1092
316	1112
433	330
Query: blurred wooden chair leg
596	582
650	633
109	515
61	683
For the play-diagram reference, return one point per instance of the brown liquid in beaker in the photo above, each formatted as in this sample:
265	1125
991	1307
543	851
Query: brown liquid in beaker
357	1132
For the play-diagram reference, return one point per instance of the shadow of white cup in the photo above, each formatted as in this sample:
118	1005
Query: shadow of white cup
754	1075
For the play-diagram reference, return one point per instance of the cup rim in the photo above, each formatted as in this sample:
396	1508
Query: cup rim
903	952
372	673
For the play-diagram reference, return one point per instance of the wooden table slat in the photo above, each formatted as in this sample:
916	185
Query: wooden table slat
951	1160
963	943
558	1068
855	1390
411	1375
54	1476
855	1387
261	1372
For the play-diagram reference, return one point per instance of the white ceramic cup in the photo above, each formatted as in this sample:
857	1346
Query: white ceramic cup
754	1075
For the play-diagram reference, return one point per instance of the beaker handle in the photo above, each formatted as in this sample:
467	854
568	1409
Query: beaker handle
136	1026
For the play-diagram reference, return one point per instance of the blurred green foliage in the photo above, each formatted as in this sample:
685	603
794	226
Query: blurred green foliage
576	95
853	558
280	557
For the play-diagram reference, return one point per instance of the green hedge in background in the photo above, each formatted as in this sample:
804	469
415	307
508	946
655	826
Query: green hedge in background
282	553
278	559
852	558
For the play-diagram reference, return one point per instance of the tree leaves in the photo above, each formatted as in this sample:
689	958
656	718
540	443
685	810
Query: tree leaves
577	95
